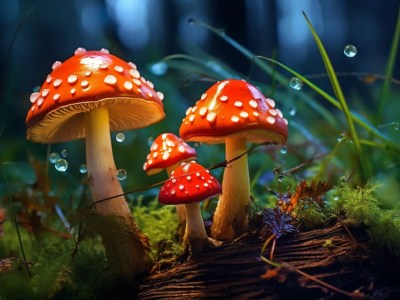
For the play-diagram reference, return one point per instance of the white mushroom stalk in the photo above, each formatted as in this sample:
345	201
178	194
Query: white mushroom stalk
231	215
195	233
101	167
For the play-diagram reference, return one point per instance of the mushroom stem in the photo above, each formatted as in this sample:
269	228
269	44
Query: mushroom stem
195	234
101	167
126	247
231	215
180	208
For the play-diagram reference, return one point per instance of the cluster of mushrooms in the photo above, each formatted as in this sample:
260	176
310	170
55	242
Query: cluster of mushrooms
94	92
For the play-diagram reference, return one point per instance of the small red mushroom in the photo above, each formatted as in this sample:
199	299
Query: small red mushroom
233	112
167	152
86	96
189	184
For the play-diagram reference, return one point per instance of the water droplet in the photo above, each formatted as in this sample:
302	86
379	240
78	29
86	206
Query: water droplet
350	51
64	153
53	157
159	68
284	150
292	111
296	83
150	141
120	137
83	168
121	174
61	165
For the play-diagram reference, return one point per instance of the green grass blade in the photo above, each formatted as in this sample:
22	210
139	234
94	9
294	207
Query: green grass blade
390	67
342	100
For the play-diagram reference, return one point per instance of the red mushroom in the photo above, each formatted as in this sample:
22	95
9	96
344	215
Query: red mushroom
233	112
189	184
86	96
167	152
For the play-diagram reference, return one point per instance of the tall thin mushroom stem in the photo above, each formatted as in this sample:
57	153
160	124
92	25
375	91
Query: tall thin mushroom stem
195	234
231	215
127	248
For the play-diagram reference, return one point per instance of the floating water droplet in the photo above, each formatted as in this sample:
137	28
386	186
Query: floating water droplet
53	157
120	137
64	153
83	168
350	50
296	83
121	174
292	111
284	150
61	165
159	68
150	141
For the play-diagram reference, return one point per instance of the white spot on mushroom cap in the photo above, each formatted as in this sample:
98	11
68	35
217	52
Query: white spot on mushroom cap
56	65
191	118
34	96
49	78
134	73
270	102
235	119
73	91
110	79
132	65
72	79
88	73
203	96
56	97
119	69
270	120
165	155
272	112
150	84
57	82
223	98
279	113
104	50
40	101
128	85
244	114
211	116
238	103
154	147
181	187
84	83
253	103
160	95
45	92
203	111
286	121
103	66
79	50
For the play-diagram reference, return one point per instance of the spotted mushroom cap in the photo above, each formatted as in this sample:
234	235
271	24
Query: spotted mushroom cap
189	183
166	150
90	80
234	108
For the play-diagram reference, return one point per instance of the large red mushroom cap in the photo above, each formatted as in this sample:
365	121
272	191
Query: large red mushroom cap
189	183
86	81
166	150
233	108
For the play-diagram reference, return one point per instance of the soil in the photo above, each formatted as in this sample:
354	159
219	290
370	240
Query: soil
344	260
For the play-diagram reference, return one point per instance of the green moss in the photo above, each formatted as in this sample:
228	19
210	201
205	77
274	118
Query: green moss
360	207
158	222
